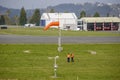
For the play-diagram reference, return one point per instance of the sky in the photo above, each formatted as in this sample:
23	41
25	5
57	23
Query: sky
32	4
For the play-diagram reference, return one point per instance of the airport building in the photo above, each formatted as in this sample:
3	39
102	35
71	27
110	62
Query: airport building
68	21
99	23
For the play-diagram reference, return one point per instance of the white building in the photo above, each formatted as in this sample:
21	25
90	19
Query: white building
68	21
99	23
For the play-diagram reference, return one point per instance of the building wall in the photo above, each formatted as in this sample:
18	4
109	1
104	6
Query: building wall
85	26
96	24
69	22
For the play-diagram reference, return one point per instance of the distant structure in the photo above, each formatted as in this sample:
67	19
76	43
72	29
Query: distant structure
99	23
29	25
68	21
119	24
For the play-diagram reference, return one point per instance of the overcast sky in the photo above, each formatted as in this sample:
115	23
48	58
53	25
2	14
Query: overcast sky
28	4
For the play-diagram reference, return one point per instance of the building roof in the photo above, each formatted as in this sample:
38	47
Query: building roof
58	15
101	19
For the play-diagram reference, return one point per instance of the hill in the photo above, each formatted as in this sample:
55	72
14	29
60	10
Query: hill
89	8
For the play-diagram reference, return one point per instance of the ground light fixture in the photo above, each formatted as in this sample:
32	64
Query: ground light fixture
55	66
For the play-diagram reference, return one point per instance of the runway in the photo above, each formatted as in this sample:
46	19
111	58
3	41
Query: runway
26	39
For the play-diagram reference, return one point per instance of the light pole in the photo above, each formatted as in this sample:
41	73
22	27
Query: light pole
55	65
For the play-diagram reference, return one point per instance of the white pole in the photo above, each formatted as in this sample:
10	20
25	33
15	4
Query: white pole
59	36
77	78
55	66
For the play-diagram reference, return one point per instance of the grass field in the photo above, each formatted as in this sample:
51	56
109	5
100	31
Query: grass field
30	62
54	32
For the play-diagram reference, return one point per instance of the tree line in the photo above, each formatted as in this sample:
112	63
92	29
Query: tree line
34	19
22	19
82	13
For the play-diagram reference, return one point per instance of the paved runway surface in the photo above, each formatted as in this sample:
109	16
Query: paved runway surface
14	39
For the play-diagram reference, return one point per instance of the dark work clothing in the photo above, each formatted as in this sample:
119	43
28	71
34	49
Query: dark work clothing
68	59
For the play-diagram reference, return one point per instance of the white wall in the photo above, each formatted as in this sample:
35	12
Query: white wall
85	26
68	19
65	22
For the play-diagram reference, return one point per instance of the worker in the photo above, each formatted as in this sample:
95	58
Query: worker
68	57
72	57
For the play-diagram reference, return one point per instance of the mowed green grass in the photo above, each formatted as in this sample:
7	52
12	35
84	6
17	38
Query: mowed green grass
54	32
15	64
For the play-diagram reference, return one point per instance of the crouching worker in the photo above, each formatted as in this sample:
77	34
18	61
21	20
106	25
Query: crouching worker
72	57
68	57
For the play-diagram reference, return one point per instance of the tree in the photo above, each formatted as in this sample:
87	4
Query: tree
96	14
8	12
36	17
2	20
66	11
16	19
7	18
23	17
52	11
108	14
82	14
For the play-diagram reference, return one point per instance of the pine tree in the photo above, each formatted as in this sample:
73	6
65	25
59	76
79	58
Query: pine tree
36	17
108	14
2	20
52	11
83	14
96	14
23	17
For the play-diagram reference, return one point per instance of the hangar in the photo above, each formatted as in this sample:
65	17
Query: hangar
68	21
99	23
